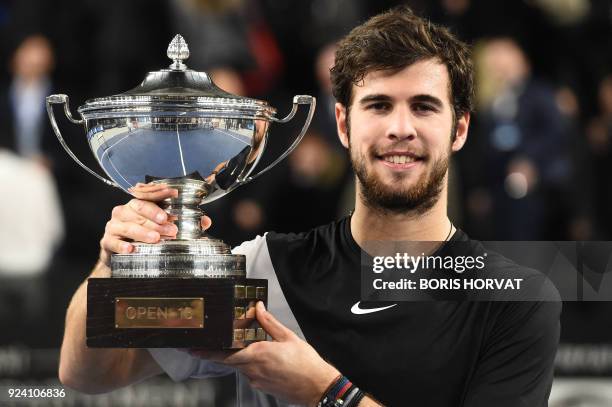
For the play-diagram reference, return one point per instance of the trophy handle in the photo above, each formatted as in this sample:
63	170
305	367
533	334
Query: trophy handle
297	100
63	99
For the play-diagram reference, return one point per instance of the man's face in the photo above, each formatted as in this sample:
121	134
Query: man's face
400	136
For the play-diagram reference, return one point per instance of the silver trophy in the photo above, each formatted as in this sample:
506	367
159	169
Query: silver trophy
177	128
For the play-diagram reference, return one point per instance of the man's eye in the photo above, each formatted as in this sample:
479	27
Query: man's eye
424	108
378	106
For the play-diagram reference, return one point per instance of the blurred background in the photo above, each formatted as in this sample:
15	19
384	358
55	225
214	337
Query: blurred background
537	165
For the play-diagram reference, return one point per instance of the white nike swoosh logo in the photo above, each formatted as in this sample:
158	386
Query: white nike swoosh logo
360	311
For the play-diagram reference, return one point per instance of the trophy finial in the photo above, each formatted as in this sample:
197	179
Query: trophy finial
178	51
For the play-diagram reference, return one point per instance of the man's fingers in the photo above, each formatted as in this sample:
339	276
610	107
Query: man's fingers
271	325
151	186
142	208
111	244
132	231
153	192
206	222
139	220
241	357
129	215
156	196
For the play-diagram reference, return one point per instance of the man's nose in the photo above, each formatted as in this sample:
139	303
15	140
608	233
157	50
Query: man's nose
401	125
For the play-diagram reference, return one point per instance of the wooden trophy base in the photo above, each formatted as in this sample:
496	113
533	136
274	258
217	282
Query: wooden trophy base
207	313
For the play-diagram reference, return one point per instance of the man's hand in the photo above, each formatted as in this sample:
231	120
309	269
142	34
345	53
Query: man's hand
139	220
287	367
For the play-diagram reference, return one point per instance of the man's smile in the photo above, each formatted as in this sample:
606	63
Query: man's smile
400	160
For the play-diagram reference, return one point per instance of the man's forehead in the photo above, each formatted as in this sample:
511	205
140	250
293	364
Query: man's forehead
422	77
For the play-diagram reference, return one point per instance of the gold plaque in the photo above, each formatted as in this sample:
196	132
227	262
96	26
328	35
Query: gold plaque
249	334
238	334
261	334
260	292
250	291
139	312
239	291
250	310
239	312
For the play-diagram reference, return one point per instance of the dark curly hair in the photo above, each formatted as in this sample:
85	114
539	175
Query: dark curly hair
396	39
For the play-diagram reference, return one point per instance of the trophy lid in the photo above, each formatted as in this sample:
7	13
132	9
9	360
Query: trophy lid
177	89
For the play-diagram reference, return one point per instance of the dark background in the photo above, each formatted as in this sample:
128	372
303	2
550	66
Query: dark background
536	166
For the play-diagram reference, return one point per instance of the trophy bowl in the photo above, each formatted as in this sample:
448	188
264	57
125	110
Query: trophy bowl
177	124
135	146
177	127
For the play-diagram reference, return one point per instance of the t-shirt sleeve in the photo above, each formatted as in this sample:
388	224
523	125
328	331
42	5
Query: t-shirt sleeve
180	365
515	368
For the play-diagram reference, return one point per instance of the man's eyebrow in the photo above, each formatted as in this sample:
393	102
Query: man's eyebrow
374	98
428	99
380	97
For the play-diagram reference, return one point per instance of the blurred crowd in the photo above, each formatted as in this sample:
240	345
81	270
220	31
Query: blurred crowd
535	166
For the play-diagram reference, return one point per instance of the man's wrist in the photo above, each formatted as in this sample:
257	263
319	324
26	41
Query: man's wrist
341	393
101	270
325	382
327	389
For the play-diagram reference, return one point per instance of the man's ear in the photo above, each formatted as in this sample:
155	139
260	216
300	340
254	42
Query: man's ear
461	132
342	124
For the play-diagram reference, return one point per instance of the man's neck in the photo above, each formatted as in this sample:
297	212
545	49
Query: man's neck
368	224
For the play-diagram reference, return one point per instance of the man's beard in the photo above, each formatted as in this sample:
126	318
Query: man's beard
418	198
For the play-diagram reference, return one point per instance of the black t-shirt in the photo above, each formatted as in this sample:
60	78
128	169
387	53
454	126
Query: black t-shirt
441	353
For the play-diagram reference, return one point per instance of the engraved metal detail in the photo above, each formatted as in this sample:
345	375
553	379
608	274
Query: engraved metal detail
144	312
178	51
239	291
176	265
250	291
238	334
260	293
239	312
200	258
249	334
261	334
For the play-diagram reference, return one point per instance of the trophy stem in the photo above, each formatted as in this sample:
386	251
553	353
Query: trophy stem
184	209
187	219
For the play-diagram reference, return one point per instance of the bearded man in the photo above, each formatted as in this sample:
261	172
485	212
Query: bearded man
404	94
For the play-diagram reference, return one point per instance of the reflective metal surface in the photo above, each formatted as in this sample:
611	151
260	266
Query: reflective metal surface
184	209
177	89
179	128
246	327
152	312
177	52
178	123
219	151
200	258
189	255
